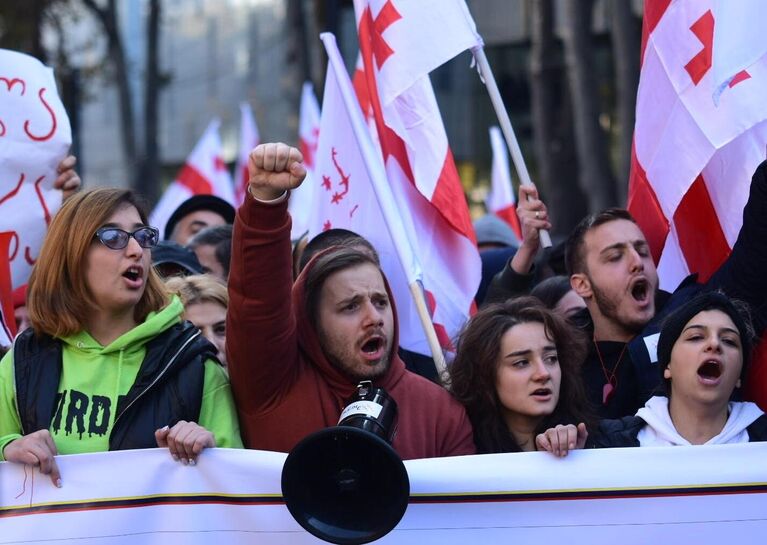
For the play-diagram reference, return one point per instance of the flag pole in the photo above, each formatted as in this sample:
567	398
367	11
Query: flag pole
428	327
376	171
508	131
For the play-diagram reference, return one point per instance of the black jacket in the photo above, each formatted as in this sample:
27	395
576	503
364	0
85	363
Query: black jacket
623	432
168	387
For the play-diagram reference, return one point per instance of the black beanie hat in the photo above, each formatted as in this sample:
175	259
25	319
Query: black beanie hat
712	300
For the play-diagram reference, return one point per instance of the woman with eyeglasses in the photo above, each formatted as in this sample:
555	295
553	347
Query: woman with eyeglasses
108	364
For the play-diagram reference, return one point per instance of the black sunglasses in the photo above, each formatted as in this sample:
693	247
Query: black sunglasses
117	239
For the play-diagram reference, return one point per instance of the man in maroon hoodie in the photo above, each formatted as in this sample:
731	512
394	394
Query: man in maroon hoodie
297	352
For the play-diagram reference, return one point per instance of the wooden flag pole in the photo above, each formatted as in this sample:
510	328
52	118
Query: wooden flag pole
428	328
508	131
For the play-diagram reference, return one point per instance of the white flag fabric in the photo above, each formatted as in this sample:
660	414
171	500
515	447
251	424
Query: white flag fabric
500	199
34	137
302	199
346	195
425	33
738	40
204	173
708	495
395	93
249	139
694	150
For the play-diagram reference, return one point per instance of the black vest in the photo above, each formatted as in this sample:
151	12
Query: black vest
168	387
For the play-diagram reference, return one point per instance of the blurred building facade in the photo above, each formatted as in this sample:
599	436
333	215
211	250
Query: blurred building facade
218	53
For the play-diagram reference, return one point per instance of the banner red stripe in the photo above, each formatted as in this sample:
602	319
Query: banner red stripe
701	238
194	181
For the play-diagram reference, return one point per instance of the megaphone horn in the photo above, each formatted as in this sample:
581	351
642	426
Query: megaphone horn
346	484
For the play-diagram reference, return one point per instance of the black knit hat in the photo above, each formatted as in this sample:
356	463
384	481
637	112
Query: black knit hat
712	300
199	202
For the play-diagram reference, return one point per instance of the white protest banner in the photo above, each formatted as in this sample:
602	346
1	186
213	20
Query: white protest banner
701	494
34	137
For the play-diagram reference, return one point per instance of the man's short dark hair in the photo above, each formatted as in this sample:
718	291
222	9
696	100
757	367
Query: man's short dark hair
574	253
220	237
334	237
337	259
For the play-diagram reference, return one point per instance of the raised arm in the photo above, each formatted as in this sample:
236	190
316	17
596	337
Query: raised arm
261	329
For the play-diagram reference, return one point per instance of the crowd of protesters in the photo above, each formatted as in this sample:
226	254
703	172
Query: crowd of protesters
228	334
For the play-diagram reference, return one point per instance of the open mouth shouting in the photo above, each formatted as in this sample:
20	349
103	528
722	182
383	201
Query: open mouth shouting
134	276
373	347
640	291
710	372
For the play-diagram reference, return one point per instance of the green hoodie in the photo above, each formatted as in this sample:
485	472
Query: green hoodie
93	377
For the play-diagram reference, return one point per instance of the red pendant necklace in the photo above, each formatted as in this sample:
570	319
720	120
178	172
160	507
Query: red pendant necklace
611	378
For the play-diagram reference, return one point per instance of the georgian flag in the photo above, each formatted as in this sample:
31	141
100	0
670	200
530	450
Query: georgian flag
400	42
249	139
695	145
500	199
304	197
204	173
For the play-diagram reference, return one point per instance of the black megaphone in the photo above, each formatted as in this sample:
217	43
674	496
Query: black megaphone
346	484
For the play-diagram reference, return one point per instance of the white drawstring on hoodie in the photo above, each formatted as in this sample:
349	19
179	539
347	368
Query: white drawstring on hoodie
660	430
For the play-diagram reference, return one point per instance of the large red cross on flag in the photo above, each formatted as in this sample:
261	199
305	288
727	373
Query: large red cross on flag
696	141
400	42
204	173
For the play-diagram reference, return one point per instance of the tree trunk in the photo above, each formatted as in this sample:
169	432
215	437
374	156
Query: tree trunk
626	43
148	182
299	47
552	123
594	167
108	18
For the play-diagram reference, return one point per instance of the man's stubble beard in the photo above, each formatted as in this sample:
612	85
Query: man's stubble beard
609	309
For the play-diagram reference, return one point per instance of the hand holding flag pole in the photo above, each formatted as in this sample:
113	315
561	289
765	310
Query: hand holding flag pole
508	131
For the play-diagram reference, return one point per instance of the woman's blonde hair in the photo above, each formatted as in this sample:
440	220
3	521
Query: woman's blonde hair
58	297
198	288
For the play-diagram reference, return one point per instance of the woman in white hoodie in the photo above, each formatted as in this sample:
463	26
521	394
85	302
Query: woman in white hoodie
703	353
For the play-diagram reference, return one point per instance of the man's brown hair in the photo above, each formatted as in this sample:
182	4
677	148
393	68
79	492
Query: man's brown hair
58	297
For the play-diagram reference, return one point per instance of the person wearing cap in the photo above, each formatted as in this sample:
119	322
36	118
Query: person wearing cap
171	259
195	214
703	355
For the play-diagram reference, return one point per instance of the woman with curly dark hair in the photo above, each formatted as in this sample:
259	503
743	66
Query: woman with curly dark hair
517	372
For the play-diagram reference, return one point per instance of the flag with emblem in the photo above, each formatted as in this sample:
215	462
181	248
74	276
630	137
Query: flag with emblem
696	142
346	196
400	42
204	173
303	198
249	139
500	199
